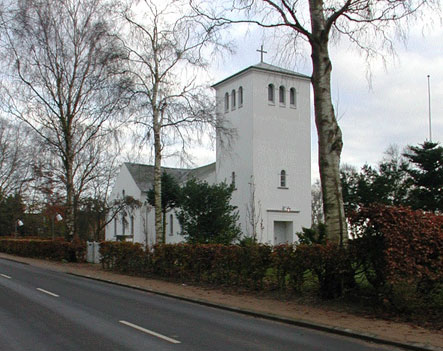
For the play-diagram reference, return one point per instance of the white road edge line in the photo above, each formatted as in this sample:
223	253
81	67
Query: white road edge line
5	276
47	292
150	332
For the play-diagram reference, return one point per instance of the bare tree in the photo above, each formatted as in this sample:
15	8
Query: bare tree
99	208
166	46
366	23
253	214
15	158
65	82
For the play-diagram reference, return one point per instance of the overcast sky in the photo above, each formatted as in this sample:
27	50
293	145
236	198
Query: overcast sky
390	108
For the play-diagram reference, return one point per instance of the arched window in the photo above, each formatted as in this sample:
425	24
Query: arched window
271	92
226	102
124	222
240	97
233	179
281	94
283	179
292	97
171	225
132	225
233	99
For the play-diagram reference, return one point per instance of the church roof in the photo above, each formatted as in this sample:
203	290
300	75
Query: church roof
266	67
143	175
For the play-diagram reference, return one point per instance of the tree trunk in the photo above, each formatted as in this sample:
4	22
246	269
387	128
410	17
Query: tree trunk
70	210
330	142
157	181
164	227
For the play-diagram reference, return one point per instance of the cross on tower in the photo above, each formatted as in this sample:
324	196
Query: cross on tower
261	51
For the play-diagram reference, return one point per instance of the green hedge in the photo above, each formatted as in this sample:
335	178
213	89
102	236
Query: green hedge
56	250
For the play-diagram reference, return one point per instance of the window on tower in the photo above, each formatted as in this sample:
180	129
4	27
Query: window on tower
226	102
233	179
171	225
233	99
281	94
283	179
271	93
240	97
292	97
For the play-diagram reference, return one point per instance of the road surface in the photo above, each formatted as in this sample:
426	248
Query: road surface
46	310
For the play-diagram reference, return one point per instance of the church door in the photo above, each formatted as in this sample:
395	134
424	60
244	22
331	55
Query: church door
283	232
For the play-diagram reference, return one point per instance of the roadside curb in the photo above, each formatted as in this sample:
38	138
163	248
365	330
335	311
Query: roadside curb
15	261
297	322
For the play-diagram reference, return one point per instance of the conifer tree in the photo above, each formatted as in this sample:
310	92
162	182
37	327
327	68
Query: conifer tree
427	176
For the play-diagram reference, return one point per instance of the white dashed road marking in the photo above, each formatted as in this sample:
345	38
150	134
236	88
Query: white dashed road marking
47	292
150	332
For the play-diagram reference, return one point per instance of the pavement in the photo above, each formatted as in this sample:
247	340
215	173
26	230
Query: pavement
366	328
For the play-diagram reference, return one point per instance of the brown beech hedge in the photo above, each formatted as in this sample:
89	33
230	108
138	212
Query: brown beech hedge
397	244
56	250
391	246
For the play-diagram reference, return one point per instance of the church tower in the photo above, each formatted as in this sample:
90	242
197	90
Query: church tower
269	157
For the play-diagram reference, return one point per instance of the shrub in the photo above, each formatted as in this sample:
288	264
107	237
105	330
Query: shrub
331	264
399	251
404	244
206	215
56	250
124	257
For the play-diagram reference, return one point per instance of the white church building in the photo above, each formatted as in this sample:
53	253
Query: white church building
268	161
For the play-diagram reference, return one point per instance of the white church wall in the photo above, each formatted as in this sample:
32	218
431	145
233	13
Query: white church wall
173	233
237	157
282	142
271	137
124	183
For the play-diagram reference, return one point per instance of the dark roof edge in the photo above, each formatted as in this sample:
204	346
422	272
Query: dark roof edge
254	67
173	168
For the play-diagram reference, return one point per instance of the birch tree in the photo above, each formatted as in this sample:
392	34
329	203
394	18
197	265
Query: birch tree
166	47
367	24
64	82
15	158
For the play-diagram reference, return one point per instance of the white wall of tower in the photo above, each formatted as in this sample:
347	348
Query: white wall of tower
271	137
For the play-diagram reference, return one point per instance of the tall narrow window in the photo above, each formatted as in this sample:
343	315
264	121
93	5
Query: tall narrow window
281	94
123	193
115	226
283	179
233	179
233	100
240	97
132	225
123	225
292	97
171	225
226	102
271	92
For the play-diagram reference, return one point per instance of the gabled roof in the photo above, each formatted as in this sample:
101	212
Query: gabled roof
266	67
143	175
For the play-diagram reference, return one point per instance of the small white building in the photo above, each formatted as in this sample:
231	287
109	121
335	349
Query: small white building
269	160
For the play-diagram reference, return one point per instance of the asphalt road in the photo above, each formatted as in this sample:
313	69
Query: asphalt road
46	310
